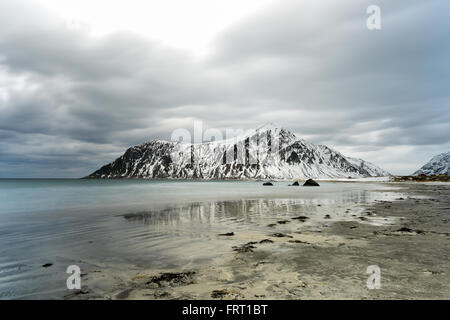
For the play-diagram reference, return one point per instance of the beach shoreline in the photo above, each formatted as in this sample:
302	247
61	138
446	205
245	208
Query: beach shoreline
411	252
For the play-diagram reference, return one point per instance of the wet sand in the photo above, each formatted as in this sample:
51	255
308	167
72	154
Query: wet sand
407	238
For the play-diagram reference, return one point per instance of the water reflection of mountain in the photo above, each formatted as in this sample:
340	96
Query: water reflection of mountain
241	210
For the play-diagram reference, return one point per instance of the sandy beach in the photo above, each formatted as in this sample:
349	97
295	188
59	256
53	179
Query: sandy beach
408	238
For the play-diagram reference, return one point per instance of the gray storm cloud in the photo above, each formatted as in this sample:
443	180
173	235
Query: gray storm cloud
70	102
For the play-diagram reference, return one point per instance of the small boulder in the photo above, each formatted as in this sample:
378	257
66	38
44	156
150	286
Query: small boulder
268	184
311	183
295	184
280	235
298	241
228	234
404	229
301	218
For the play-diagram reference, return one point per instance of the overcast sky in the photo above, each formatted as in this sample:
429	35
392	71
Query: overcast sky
80	81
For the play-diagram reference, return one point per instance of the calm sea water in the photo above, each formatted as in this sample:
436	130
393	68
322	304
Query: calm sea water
148	224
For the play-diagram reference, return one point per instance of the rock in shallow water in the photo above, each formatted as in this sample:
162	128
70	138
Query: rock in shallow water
301	218
280	235
311	183
228	234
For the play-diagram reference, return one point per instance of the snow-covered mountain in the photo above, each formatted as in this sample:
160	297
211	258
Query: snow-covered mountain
439	164
372	169
268	152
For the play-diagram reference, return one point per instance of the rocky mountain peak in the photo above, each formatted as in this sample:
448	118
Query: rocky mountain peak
439	164
267	152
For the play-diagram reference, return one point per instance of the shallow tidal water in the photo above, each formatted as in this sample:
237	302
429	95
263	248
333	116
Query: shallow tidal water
147	224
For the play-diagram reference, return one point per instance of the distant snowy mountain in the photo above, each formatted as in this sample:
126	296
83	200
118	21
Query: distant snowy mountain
268	152
372	169
439	164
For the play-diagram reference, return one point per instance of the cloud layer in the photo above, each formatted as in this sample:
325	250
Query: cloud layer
70	101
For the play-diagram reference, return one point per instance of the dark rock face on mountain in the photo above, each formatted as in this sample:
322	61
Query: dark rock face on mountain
150	159
265	153
438	165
